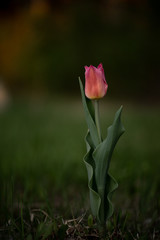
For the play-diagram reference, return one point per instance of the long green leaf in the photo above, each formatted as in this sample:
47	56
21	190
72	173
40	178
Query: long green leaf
102	156
89	116
95	200
103	153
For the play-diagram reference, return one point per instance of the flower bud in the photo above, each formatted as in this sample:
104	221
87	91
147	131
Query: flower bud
95	82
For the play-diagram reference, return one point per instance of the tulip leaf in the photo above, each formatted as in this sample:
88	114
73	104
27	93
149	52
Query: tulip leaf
88	110
100	182
95	200
103	153
102	156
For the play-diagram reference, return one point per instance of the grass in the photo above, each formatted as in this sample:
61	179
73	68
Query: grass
43	188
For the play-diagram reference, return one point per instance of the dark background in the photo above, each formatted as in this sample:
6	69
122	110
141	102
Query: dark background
44	46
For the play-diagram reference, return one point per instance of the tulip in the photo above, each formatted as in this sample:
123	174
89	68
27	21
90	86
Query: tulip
99	151
95	82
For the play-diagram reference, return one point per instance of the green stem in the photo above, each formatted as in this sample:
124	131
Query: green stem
97	120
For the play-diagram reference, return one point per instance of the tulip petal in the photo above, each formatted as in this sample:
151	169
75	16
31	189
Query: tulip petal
86	67
100	66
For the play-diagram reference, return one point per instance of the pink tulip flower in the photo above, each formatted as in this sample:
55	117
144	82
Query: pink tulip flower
95	82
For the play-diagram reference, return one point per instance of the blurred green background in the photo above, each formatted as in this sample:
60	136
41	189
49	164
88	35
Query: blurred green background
44	46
